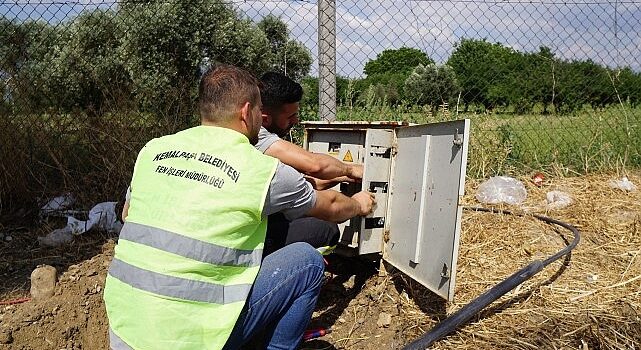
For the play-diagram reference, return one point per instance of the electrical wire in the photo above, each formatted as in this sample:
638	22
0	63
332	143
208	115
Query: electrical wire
14	301
464	314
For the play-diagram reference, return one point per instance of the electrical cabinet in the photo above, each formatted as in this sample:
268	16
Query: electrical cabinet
417	173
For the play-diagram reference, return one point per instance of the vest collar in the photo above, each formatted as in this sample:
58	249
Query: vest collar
218	131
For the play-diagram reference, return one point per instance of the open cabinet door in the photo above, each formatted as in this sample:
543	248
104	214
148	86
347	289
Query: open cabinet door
423	217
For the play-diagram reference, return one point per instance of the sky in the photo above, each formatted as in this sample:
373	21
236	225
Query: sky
608	32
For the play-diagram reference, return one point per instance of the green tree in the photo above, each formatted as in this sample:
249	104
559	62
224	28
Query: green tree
27	51
345	93
545	76
480	67
432	85
628	85
147	55
87	72
389	86
386	75
520	85
583	82
310	93
166	42
401	60
288	56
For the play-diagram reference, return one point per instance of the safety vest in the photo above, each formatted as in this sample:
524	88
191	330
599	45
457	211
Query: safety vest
191	246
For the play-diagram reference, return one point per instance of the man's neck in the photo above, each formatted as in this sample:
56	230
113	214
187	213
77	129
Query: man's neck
233	126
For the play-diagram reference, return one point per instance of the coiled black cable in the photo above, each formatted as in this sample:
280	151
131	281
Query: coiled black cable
475	306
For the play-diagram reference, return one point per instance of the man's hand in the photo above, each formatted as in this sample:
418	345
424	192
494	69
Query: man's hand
336	207
355	172
366	201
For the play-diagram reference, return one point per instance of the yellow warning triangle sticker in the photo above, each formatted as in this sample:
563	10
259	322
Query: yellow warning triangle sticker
348	157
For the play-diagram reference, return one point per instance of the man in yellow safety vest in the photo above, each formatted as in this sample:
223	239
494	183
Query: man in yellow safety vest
187	271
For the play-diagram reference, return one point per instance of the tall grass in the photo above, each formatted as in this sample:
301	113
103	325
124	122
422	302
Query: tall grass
92	157
508	143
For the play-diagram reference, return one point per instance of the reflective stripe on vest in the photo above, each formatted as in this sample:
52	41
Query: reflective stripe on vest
189	247
115	343
175	287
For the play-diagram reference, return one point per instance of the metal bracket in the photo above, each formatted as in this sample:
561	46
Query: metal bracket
458	140
445	273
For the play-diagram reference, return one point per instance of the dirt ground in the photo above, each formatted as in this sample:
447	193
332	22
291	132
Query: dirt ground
589	301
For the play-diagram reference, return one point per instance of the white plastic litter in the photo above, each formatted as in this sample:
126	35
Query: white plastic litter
57	204
57	237
592	278
557	200
623	184
499	189
102	216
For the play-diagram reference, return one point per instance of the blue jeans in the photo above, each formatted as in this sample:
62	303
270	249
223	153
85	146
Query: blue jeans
282	298
281	232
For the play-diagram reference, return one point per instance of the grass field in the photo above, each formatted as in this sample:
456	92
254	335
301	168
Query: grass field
584	142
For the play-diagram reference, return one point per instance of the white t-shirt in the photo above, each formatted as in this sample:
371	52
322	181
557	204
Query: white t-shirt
265	139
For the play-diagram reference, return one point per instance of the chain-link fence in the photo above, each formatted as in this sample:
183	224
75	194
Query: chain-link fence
549	85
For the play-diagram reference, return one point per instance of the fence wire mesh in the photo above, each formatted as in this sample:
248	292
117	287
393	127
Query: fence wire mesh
549	85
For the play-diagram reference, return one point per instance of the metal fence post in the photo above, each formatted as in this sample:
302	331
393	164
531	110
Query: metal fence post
327	59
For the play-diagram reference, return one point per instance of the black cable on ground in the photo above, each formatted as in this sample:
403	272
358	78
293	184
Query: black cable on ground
475	306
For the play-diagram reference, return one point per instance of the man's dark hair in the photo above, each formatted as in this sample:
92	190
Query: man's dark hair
277	89
224	89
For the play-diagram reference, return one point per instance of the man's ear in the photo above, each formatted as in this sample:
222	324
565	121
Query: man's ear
267	119
245	113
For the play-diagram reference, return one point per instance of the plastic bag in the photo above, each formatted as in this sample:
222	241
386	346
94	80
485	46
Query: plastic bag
623	184
57	204
102	216
557	200
56	237
498	189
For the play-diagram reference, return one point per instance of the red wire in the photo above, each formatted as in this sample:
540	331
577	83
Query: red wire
14	301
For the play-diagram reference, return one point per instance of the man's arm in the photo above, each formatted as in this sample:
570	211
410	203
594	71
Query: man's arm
320	166
290	194
125	211
320	185
125	207
336	207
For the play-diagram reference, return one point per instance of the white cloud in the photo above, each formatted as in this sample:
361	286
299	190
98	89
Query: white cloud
366	28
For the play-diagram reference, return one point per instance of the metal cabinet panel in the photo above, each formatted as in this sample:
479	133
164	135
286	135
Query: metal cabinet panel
423	221
346	145
417	174
377	159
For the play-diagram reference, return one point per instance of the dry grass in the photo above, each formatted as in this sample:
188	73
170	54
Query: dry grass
48	155
590	301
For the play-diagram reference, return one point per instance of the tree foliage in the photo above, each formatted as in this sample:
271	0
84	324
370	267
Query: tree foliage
401	60
87	69
288	56
386	75
167	41
480	66
147	55
432	85
628	84
493	75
